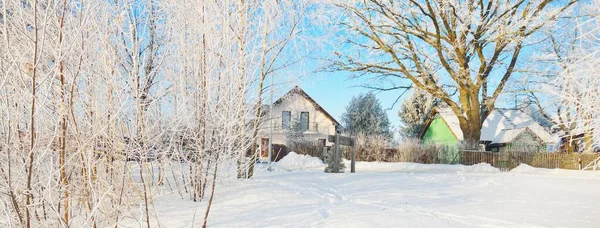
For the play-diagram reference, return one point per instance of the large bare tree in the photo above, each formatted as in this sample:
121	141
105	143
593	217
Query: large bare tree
472	46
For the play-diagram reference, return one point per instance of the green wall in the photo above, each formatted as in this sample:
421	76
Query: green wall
440	134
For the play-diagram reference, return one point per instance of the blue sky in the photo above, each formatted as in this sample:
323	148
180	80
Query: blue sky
333	91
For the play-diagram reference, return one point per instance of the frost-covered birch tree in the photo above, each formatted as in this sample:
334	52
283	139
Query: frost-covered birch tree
557	55
108	105
52	52
577	85
472	46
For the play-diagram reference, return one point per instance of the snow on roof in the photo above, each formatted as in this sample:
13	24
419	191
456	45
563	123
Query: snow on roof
501	126
301	92
448	115
506	136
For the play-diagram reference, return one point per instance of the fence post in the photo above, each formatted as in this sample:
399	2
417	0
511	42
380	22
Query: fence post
336	164
353	161
509	160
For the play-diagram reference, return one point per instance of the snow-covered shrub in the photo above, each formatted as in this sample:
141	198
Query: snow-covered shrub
310	148
296	141
368	148
412	150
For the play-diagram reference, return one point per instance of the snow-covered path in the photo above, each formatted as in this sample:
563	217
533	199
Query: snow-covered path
399	195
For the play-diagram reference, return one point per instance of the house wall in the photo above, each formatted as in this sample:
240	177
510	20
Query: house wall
525	142
320	126
439	133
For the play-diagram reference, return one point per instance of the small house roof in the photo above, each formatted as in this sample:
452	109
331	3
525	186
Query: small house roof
298	91
501	126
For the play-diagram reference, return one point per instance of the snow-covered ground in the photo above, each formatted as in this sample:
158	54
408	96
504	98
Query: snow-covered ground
297	193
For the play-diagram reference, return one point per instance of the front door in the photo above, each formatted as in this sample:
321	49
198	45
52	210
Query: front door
322	142
264	148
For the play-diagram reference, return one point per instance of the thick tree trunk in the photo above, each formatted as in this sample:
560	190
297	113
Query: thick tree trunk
471	128
571	145
471	137
470	118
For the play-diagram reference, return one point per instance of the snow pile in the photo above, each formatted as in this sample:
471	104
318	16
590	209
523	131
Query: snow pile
416	167
294	161
480	168
524	168
528	170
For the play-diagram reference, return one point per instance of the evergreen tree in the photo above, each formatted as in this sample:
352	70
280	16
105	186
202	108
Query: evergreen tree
413	112
365	116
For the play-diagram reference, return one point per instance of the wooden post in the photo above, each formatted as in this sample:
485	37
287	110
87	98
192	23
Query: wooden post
353	159
336	164
340	140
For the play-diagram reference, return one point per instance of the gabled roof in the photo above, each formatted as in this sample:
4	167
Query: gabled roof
501	126
298	91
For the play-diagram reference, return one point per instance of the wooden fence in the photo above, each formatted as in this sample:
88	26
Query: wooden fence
506	161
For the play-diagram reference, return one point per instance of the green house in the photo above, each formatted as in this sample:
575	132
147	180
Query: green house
502	130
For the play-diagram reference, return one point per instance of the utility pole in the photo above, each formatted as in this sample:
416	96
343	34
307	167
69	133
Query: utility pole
271	125
353	161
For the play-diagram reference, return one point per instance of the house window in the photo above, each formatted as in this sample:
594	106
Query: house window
286	116
304	120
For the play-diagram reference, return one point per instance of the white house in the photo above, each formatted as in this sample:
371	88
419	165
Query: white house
296	105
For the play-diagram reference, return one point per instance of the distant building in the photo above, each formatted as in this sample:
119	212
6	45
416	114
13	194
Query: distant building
296	106
502	130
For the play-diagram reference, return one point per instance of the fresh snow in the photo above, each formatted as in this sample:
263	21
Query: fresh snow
415	167
297	193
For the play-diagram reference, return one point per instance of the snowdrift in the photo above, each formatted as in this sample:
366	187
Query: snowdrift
529	170
294	161
416	167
